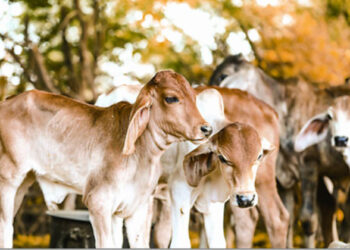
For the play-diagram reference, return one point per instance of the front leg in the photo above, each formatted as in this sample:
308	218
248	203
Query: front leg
214	225
245	220
180	214
327	204
100	211
117	231
138	225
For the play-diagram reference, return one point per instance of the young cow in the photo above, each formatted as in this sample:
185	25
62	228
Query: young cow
211	186
335	120
210	194
110	155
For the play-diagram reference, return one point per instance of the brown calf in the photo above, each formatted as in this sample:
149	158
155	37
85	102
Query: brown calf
245	108
110	155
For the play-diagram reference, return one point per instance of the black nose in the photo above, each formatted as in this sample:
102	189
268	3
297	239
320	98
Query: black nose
341	141
245	200
207	130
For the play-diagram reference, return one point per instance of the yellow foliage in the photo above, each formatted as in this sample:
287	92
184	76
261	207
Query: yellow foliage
261	240
310	46
195	239
31	241
340	215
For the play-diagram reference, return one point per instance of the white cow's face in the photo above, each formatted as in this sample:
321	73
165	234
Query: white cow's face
335	120
339	123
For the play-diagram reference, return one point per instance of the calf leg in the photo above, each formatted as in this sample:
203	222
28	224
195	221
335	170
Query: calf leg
287	196
203	243
10	181
327	206
22	190
138	225
214	225
308	214
275	215
229	224
162	228
180	214
7	208
244	225
117	231
69	202
100	211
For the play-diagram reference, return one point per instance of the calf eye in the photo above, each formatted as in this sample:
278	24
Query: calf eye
329	117
222	159
222	77
172	99
260	156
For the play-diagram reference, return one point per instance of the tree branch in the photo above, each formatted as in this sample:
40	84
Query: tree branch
67	17
43	74
252	45
18	60
86	69
72	81
99	34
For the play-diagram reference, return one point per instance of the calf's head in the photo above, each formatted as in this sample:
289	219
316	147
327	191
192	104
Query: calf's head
237	150
335	120
167	103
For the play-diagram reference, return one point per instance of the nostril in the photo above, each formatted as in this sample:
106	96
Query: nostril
245	200
253	198
207	130
341	141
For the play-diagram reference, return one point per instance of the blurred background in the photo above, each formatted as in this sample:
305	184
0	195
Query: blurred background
82	48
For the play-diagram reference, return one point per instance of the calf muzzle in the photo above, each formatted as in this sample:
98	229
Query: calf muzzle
341	141
207	130
245	200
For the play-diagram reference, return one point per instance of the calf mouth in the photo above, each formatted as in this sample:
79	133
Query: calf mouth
244	201
199	140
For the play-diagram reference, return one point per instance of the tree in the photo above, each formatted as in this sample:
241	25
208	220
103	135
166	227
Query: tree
64	43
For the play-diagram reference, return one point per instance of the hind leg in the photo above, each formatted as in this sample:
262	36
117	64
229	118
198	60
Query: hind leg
10	181
7	201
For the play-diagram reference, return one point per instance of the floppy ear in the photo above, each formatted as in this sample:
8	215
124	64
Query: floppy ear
313	132
267	146
198	163
139	119
211	106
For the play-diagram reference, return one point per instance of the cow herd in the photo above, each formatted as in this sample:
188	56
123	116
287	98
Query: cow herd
244	138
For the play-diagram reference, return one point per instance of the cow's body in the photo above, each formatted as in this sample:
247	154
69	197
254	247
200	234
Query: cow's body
296	102
102	153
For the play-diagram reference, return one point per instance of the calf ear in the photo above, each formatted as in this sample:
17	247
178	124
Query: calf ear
313	132
198	163
139	119
211	106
